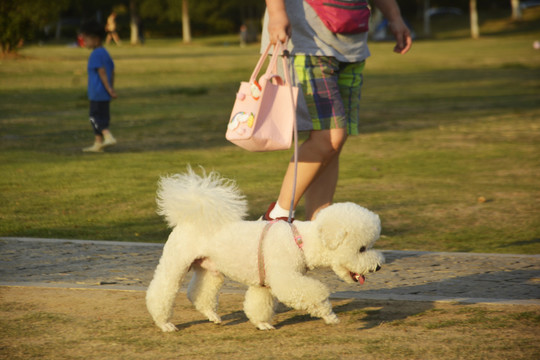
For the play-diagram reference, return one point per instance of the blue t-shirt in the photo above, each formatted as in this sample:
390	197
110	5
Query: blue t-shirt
99	58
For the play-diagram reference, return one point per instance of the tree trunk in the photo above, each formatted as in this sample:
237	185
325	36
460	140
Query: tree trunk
186	28
134	22
475	31
427	19
516	10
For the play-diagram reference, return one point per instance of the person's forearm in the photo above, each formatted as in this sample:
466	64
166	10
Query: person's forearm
279	27
275	7
105	80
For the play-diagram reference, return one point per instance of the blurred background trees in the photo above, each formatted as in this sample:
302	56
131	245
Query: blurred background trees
43	20
22	20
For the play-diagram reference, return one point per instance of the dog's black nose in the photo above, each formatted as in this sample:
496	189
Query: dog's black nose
378	268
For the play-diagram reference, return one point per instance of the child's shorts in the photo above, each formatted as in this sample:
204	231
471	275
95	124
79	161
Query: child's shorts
331	90
99	116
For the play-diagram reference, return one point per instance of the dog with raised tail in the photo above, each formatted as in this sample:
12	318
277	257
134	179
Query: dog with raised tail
211	238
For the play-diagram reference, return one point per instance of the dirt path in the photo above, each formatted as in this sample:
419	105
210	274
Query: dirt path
53	323
407	275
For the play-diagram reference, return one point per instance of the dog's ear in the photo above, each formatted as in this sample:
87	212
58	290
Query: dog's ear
332	238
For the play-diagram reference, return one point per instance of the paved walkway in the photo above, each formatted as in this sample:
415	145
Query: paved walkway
407	275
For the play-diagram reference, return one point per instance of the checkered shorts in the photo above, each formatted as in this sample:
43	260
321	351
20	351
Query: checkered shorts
331	89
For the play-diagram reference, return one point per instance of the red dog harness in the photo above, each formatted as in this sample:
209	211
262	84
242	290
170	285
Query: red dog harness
297	240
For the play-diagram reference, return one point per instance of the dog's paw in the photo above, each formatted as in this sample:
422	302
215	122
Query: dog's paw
331	319
213	317
265	326
168	327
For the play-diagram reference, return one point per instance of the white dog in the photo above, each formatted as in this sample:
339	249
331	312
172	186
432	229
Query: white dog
210	237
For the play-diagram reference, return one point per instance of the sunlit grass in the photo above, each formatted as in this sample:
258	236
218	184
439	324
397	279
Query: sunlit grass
448	154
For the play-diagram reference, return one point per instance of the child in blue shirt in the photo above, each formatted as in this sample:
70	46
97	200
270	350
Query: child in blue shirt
100	85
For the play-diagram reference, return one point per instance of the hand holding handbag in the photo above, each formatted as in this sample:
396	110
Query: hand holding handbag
264	113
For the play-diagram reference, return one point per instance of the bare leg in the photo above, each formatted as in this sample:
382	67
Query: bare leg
320	193
116	38
314	156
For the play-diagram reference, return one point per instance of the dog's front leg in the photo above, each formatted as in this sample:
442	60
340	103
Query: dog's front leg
304	293
259	307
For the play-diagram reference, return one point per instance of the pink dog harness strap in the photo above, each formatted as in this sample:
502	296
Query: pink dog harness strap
297	240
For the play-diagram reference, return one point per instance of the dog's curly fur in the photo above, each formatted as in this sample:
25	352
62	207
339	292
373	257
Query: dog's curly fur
211	237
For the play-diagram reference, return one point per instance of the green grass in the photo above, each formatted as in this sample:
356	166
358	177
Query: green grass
445	127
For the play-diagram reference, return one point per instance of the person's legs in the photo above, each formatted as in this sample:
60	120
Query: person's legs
321	192
332	93
116	38
318	77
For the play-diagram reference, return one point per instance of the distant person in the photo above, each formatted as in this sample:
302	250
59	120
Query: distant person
80	41
100	86
111	30
243	35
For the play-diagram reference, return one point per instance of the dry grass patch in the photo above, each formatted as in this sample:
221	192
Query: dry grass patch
105	324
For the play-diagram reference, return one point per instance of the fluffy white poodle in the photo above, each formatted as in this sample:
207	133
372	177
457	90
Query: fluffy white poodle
211	238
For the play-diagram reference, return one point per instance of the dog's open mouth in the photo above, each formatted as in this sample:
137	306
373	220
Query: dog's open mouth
357	277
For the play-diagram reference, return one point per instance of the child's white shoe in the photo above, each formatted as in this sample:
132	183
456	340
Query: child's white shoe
97	147
108	140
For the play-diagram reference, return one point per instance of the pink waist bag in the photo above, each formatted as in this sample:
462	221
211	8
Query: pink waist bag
264	113
343	16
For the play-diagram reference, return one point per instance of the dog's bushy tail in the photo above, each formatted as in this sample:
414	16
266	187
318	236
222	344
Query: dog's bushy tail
206	201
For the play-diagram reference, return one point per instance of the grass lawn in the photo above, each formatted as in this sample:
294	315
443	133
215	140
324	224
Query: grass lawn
448	156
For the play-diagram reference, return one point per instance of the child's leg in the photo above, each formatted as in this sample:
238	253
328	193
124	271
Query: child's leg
100	119
94	121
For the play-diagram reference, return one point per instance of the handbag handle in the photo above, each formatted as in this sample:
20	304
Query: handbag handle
259	65
272	66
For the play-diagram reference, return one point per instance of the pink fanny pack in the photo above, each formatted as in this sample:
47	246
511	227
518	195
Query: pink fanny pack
343	16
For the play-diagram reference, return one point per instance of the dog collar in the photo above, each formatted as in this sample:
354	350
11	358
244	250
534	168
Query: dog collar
297	239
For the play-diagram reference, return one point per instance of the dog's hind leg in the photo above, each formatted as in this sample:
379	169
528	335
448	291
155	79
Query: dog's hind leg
203	291
161	293
259	306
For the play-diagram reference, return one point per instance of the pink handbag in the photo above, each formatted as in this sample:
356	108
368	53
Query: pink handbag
264	113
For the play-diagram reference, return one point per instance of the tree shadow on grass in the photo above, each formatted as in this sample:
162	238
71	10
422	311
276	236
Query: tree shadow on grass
194	117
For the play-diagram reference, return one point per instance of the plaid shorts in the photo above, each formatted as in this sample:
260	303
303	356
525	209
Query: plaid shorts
331	89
